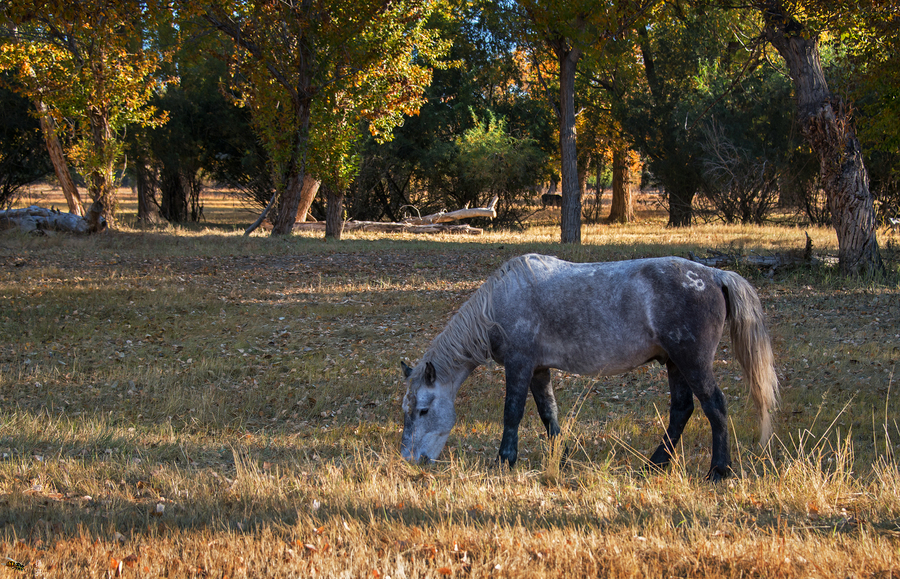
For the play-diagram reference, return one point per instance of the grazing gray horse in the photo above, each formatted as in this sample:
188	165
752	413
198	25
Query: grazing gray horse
538	312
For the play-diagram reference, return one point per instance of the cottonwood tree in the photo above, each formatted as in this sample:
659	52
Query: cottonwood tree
86	61
298	60
827	124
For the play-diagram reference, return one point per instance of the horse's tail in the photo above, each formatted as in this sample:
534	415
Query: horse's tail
752	347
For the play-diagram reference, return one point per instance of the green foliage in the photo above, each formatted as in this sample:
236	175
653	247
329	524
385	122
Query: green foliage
712	116
88	63
313	74
491	162
484	98
207	138
750	153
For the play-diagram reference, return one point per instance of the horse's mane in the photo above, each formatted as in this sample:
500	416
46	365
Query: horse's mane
466	338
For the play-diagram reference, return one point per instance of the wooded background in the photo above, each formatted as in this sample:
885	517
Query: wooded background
772	109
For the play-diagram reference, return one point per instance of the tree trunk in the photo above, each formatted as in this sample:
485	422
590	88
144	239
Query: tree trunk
622	209
307	194
334	214
143	181
289	202
60	167
826	124
681	209
100	178
173	195
570	213
39	220
262	216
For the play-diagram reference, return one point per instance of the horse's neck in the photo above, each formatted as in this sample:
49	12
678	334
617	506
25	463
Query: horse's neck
456	374
463	372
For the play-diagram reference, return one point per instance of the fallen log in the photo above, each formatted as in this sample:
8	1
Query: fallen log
489	211
385	227
718	259
774	261
39	220
434	223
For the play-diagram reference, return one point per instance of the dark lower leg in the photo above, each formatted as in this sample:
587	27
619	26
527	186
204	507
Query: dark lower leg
545	401
682	406
714	407
514	409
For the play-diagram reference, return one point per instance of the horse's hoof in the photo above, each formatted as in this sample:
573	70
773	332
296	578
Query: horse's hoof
507	462
717	474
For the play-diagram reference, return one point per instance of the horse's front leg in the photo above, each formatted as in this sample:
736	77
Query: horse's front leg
518	377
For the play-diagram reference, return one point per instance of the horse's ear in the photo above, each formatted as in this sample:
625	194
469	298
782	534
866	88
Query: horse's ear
430	374
407	371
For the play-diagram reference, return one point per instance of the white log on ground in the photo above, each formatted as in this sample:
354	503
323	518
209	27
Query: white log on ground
385	227
434	223
36	219
489	211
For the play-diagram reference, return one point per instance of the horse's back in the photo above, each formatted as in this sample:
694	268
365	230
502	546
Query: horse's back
609	317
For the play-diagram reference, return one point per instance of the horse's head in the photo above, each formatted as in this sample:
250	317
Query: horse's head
428	413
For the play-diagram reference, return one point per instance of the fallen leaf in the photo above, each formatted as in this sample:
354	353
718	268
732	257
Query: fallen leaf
445	571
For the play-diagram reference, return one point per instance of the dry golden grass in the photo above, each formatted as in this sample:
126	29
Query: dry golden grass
188	402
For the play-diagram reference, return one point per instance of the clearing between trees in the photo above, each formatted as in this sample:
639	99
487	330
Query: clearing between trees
190	402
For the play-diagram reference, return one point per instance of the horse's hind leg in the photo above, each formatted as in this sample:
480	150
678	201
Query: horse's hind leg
545	400
712	401
697	377
680	410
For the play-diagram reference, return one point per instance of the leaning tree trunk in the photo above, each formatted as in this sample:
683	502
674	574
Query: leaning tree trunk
826	124
307	194
622	209
570	213
58	159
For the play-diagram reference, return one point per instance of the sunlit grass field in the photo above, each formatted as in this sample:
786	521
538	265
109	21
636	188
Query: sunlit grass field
185	401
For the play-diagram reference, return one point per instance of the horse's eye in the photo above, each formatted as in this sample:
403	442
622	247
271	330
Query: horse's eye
423	412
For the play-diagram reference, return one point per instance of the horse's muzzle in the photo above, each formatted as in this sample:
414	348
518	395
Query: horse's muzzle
409	456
